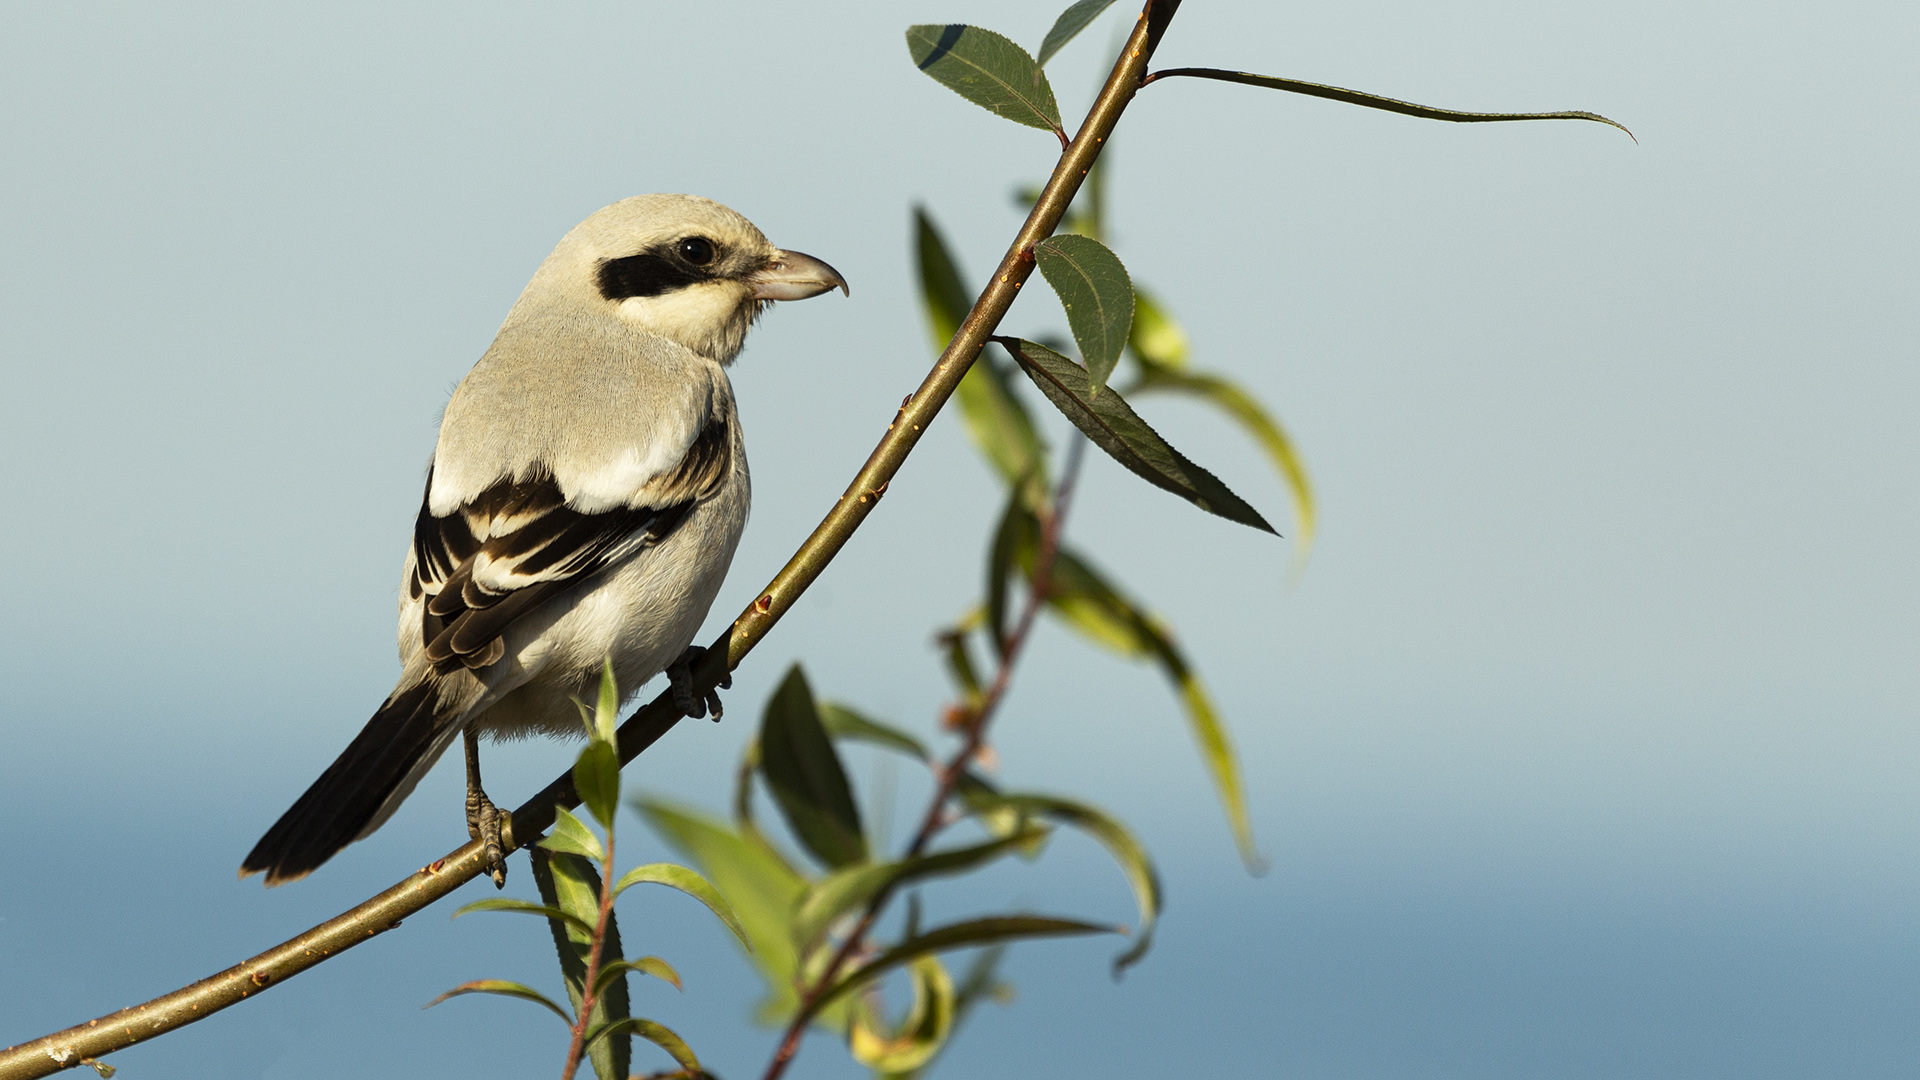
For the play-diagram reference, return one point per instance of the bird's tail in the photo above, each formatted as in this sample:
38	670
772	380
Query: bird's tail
360	789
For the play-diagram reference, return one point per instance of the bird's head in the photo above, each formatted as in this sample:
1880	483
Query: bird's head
683	267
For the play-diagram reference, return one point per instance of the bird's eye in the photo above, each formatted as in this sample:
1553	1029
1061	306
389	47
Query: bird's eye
697	250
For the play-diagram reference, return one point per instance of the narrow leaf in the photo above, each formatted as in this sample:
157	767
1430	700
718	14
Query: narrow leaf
1094	288
955	936
1017	528
757	882
504	989
646	965
571	884
691	883
657	1034
596	777
1114	427
928	1023
1126	849
842	722
996	420
606	712
959	657
1069	24
1375	101
1240	405
526	907
845	890
805	775
986	69
571	836
1216	750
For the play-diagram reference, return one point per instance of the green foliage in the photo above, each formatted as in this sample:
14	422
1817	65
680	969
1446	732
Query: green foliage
1114	427
892	1049
844	723
1375	101
796	920
805	775
992	930
998	423
759	883
988	70
691	883
572	868
1069	24
570	884
1014	812
1094	288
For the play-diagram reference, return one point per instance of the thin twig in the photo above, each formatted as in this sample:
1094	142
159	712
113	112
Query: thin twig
117	1031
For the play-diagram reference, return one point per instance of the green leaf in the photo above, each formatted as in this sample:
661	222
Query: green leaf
1015	522
657	1034
959	657
1216	750
526	907
596	777
1094	288
805	776
1114	427
843	722
646	965
572	837
1156	338
986	69
757	882
1375	101
954	936
691	883
571	884
921	1034
943	292
606	712
844	890
1241	405
1119	841
504	989
1069	24
996	420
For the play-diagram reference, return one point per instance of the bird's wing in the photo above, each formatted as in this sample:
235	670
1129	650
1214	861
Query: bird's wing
499	554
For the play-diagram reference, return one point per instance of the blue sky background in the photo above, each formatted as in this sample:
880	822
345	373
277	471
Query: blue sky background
1585	746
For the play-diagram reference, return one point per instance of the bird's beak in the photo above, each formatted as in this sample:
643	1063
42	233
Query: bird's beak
793	276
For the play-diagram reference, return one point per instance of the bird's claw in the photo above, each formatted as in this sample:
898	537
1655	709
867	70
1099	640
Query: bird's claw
484	822
680	679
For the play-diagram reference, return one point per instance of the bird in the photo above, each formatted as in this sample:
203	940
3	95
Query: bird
584	499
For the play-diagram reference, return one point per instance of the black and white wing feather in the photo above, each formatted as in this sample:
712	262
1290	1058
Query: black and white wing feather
500	554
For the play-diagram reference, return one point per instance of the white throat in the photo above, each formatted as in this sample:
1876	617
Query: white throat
711	318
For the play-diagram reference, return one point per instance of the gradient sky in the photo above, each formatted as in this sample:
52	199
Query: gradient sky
1584	746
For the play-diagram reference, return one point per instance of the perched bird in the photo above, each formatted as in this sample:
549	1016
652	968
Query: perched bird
584	499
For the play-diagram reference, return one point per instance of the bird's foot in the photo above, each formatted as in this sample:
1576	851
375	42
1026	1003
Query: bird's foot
680	678
485	822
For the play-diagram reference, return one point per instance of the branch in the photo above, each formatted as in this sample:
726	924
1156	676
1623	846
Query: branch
119	1030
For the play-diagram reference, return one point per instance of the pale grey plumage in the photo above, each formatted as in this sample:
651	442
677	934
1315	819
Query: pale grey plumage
587	492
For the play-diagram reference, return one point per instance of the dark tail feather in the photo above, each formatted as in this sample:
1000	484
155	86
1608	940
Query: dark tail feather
345	799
